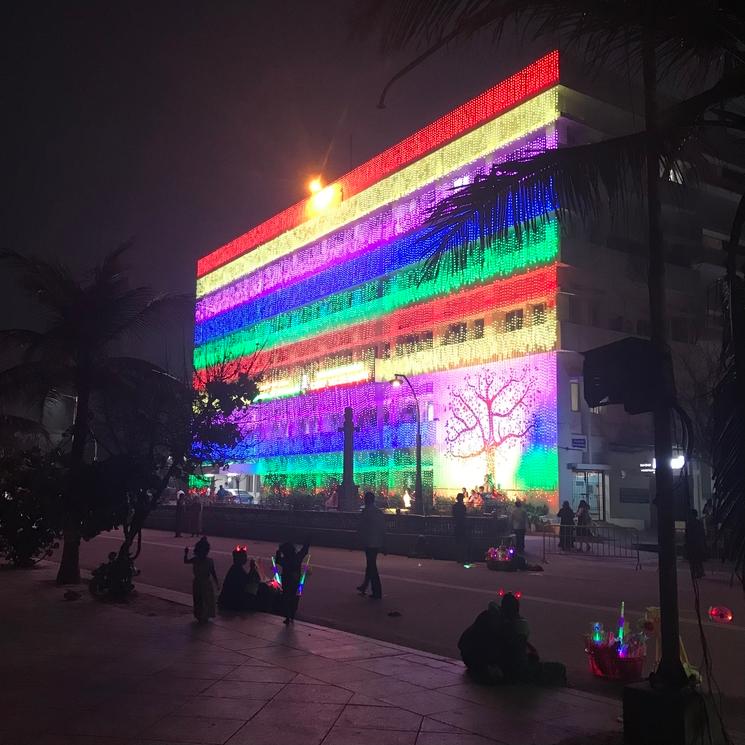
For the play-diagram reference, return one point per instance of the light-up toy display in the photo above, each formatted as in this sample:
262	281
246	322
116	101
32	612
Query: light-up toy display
618	654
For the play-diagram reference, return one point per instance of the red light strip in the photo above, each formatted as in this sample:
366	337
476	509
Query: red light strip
538	284
522	85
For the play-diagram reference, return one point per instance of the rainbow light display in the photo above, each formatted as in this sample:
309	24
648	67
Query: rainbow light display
328	299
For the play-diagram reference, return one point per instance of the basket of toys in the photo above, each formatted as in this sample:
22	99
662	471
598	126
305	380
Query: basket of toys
501	559
616	655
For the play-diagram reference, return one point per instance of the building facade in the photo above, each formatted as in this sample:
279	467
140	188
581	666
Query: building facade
330	300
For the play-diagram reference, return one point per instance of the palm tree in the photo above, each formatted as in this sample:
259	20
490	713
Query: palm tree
76	355
692	40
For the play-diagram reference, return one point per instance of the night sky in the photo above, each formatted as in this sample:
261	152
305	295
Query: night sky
182	124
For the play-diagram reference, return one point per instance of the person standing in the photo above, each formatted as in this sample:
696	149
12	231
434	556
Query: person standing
290	560
584	521
371	532
203	590
566	527
695	544
460	531
179	518
519	522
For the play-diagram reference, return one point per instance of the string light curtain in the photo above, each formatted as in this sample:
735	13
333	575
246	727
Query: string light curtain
332	305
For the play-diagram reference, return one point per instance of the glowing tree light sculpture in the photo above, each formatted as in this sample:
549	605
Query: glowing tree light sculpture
490	413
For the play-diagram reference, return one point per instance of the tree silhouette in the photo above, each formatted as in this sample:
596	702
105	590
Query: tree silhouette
489	412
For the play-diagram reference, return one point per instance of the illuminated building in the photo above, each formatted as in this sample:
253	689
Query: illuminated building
327	299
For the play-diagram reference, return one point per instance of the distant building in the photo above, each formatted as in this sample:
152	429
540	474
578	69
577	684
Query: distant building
329	300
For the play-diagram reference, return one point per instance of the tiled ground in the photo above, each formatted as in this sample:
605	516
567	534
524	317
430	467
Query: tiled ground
74	672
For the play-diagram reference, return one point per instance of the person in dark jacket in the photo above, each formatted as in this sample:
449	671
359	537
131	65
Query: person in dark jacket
240	588
179	518
495	648
290	560
695	544
460	531
566	527
371	532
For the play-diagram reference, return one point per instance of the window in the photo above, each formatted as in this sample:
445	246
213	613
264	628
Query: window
478	328
430	412
633	495
514	320
538	313
455	334
462	181
574	395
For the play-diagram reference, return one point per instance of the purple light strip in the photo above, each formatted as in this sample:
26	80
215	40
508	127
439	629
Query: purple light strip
365	235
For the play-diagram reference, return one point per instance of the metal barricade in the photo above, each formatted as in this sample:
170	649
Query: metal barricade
600	541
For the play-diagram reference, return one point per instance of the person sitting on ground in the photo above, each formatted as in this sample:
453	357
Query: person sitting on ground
495	648
239	588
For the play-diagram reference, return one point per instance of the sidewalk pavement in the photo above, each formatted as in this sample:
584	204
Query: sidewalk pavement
79	671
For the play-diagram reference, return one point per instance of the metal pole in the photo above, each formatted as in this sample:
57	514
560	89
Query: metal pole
670	670
418	488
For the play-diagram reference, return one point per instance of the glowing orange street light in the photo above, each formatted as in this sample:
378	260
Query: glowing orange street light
315	185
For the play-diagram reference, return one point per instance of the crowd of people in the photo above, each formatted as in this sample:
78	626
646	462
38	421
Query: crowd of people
495	648
575	527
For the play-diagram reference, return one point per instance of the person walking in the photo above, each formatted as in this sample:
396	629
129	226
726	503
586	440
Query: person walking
460	531
203	590
695	544
179	518
519	522
291	562
371	532
584	521
566	527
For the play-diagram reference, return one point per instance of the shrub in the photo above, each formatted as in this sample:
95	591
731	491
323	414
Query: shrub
30	516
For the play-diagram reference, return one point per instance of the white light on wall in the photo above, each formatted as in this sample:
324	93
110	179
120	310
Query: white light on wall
676	463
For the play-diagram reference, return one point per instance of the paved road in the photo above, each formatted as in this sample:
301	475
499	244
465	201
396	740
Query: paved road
438	599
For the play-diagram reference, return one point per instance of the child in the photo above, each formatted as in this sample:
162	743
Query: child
291	562
235	594
203	590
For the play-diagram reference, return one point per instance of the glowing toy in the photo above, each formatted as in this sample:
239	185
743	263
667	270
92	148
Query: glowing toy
277	578
720	614
617	656
304	575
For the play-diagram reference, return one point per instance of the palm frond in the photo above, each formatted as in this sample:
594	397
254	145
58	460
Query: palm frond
729	426
573	182
33	381
51	284
19	429
692	39
132	317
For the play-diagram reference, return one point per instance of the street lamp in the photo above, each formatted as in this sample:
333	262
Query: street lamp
396	382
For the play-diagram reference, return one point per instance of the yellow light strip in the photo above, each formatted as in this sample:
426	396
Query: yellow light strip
495	345
528	117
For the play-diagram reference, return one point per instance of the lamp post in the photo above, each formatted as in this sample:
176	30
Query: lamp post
396	382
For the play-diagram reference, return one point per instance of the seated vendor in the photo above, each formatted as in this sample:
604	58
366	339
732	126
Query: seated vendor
239	589
495	648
